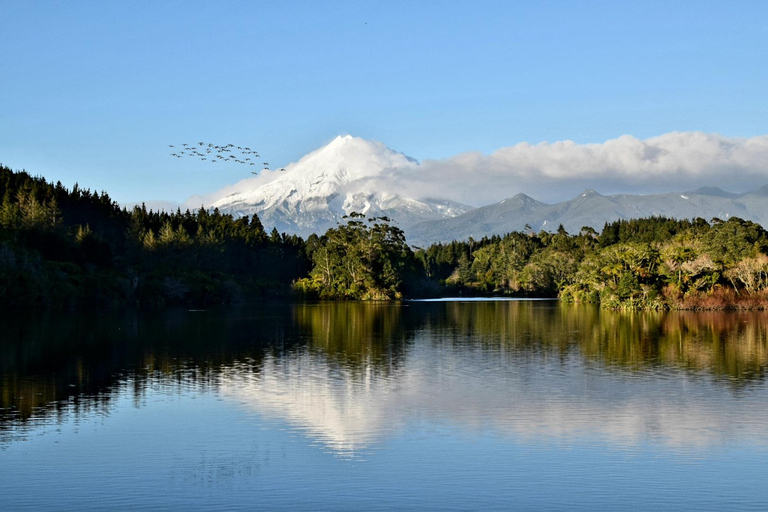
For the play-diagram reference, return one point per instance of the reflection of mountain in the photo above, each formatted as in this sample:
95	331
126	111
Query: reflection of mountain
454	380
347	374
326	401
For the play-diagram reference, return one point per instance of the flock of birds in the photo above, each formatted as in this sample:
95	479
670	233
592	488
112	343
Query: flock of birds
212	153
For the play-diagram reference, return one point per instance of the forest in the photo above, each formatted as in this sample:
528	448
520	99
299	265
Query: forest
66	247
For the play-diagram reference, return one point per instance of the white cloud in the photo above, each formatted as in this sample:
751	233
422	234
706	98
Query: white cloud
560	170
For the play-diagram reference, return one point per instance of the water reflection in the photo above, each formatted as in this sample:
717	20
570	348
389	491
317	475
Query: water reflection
348	375
57	365
368	337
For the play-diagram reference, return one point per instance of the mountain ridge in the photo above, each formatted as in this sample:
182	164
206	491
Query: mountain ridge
591	209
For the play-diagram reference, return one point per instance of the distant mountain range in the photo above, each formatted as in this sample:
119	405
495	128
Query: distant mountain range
346	175
590	209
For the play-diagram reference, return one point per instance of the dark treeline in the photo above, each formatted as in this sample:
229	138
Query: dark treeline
64	247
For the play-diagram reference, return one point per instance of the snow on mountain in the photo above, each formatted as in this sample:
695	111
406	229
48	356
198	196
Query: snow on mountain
314	193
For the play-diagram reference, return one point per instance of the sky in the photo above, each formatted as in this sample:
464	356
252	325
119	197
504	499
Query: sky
94	92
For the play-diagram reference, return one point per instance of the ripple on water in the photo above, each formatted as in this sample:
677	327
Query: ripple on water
433	406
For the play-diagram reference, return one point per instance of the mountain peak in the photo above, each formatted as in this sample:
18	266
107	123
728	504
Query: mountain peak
713	191
589	193
521	198
340	139
326	182
356	156
343	140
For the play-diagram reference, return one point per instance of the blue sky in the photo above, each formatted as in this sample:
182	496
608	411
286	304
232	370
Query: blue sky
94	91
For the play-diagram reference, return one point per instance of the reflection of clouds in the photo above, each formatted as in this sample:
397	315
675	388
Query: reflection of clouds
474	388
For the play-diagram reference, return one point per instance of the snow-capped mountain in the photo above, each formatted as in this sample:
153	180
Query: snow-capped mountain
314	193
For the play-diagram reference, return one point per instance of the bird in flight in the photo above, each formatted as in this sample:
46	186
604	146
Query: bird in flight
230	153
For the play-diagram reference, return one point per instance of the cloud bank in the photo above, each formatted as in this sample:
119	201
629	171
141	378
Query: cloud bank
675	161
557	171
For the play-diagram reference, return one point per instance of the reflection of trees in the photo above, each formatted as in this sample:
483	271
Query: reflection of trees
734	345
361	335
55	364
726	344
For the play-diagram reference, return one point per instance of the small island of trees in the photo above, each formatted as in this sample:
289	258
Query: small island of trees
62	247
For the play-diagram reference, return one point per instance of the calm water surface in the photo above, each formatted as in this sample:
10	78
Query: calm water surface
418	405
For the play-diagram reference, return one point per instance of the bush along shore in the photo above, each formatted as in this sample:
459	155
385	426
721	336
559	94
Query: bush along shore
64	247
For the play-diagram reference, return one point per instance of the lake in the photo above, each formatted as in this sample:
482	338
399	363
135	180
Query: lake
449	405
